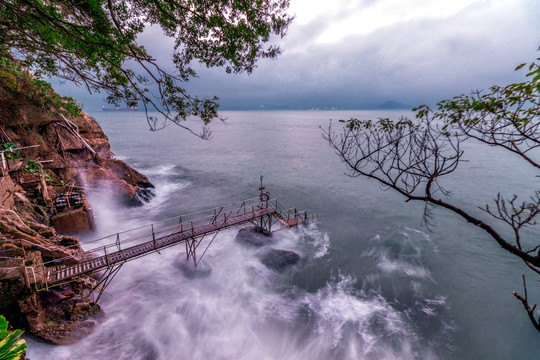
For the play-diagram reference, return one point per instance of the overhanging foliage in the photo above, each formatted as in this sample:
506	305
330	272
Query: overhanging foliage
94	43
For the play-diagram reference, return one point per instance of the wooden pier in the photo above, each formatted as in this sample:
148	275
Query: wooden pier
191	230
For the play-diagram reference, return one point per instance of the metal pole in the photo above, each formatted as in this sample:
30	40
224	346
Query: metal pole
261	188
22	247
153	236
106	257
194	254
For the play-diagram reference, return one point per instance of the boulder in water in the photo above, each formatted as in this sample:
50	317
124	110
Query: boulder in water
191	271
253	236
279	260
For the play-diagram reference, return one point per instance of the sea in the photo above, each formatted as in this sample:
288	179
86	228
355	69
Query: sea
373	282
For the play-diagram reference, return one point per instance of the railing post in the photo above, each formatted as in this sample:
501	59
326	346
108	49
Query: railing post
46	282
181	224
153	236
22	246
118	240
106	257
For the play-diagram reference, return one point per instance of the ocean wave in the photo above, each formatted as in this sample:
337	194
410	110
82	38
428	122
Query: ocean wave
163	170
402	267
359	324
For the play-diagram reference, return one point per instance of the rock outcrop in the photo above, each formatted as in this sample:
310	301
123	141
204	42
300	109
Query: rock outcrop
253	236
72	155
279	260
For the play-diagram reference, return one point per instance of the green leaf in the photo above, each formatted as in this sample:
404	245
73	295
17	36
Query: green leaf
11	346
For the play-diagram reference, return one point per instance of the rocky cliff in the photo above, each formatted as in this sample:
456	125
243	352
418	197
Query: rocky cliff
50	160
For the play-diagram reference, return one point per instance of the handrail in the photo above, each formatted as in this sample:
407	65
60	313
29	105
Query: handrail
174	218
184	219
178	224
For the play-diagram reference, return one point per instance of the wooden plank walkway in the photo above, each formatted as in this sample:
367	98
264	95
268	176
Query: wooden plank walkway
54	276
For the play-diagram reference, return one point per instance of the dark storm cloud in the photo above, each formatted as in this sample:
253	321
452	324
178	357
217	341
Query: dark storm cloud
414	60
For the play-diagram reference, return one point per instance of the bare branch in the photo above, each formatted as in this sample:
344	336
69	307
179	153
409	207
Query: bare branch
524	301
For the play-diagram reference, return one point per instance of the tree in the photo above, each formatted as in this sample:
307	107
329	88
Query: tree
11	347
410	156
94	43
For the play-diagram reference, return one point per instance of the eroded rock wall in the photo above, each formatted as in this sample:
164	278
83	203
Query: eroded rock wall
75	155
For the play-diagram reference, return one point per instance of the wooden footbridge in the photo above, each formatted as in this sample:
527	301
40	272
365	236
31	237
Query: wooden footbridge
191	230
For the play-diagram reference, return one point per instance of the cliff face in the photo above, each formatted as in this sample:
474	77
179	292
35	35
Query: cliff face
45	174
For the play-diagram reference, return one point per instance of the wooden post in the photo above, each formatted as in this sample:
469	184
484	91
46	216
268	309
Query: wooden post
43	182
24	274
3	162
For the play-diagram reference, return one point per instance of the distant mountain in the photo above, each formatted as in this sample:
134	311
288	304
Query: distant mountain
393	105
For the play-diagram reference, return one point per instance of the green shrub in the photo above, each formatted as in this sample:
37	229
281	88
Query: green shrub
32	167
11	346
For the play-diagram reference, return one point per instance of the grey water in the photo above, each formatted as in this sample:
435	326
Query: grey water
373	282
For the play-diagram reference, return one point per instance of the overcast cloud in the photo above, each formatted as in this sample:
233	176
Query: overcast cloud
357	54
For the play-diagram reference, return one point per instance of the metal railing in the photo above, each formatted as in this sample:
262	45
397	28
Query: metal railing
108	245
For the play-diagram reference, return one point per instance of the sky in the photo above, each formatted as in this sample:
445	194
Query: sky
355	54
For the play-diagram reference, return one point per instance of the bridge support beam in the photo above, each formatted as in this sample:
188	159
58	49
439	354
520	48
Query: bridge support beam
191	247
265	223
105	280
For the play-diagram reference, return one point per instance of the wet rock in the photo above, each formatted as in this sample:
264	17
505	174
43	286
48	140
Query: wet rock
74	221
253	236
124	184
54	296
70	241
90	130
11	224
144	193
62	315
279	260
191	271
65	332
6	191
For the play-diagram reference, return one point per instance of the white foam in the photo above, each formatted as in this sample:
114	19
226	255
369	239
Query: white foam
402	267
